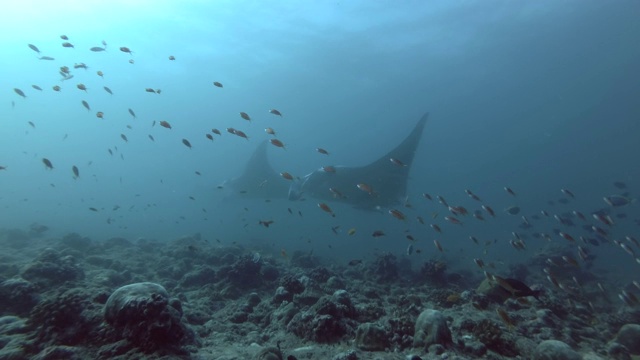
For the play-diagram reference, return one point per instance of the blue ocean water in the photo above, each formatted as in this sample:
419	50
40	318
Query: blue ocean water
537	96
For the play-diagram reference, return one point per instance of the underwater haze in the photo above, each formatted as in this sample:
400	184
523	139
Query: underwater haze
347	179
537	96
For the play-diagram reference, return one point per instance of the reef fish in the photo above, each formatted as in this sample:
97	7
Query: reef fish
517	288
617	200
19	92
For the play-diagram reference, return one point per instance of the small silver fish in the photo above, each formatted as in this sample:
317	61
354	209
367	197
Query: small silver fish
410	249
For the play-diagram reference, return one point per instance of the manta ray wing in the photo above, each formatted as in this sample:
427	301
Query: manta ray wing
386	177
259	180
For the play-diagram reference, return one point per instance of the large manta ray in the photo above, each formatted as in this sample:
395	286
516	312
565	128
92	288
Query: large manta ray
386	178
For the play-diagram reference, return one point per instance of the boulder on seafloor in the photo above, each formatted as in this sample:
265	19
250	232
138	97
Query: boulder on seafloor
431	328
201	275
143	314
52	268
269	353
327	321
555	350
76	242
617	351
629	336
493	291
371	337
18	296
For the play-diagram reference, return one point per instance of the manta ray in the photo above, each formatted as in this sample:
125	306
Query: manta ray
381	183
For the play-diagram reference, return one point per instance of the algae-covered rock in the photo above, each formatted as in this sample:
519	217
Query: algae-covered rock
143	314
555	350
431	328
269	353
629	336
17	296
371	337
327	321
52	268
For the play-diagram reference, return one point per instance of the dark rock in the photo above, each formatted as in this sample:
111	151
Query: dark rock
320	274
307	298
63	319
629	336
555	350
402	330
304	259
291	284
59	352
431	328
525	345
141	313
10	325
489	333
348	355
434	272
269	353
17	297
244	273
467	325
327	321
115	349
335	283
618	351
253	299
282	295
238	317
199	276
50	269
228	259
117	242
36	230
99	261
197	317
371	337
436	349
371	312
269	273
76	242
474	348
101	297
283	314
